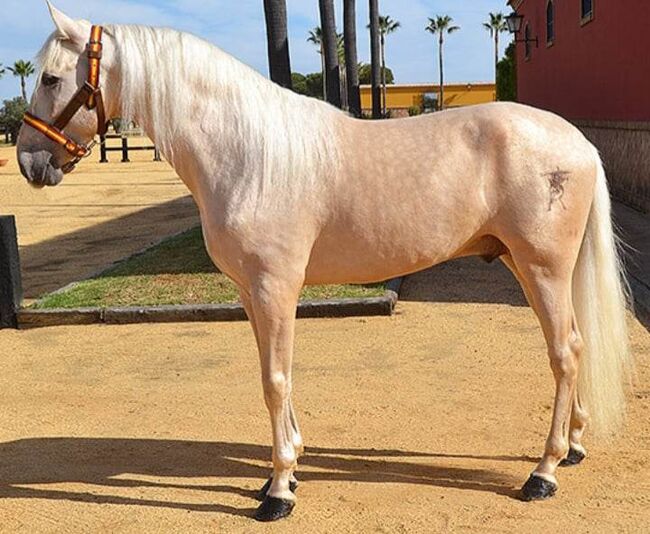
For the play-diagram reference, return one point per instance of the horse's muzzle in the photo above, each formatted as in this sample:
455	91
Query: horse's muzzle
38	169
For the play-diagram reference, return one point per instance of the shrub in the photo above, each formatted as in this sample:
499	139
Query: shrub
11	117
414	111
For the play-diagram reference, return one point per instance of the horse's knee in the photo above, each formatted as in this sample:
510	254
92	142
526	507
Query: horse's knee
564	361
276	389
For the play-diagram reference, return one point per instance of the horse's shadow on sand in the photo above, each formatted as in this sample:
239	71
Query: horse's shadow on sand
110	462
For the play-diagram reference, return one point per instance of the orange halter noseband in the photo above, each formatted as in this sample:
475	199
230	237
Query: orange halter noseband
89	94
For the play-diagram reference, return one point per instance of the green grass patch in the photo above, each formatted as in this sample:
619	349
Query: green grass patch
176	271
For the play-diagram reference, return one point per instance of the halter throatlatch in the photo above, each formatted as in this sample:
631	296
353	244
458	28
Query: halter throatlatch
89	94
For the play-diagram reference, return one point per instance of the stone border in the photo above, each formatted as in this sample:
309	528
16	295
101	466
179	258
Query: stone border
371	306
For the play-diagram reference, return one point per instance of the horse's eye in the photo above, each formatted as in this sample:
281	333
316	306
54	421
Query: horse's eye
49	80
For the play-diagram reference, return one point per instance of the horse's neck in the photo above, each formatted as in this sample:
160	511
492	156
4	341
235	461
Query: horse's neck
200	148
228	131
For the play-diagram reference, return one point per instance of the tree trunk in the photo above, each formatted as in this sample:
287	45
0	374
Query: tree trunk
351	60
496	55
441	105
322	69
344	88
330	47
22	88
275	12
383	76
374	55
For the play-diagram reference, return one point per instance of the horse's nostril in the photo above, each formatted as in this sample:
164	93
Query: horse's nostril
25	163
38	169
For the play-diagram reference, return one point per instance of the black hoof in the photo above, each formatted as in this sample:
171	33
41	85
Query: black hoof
573	458
261	495
273	509
537	488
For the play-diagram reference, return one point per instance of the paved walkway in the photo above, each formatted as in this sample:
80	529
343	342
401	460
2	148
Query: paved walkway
635	231
97	215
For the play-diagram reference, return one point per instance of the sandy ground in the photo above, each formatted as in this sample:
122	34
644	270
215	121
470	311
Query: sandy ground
428	421
98	214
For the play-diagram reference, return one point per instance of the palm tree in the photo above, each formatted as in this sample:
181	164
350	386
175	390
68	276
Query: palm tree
441	26
330	50
375	59
496	25
23	69
275	13
316	37
2	70
351	61
386	27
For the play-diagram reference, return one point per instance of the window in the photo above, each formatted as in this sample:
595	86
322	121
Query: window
550	23
429	102
587	10
527	44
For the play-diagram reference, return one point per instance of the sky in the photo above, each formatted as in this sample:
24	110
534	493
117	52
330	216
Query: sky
237	26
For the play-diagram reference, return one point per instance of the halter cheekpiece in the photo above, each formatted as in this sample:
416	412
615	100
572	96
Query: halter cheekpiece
89	94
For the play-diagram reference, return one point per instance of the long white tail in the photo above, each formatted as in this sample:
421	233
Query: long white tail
600	297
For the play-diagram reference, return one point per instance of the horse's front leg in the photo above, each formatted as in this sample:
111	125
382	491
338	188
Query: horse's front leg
273	306
296	437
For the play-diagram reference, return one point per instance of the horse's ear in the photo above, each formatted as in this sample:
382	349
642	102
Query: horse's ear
68	29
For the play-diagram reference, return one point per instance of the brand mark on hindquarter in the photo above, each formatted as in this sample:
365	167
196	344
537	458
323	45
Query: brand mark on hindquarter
556	181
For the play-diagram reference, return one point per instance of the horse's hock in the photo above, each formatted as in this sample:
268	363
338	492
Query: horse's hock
625	149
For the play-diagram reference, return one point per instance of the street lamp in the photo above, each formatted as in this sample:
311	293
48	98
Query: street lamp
514	22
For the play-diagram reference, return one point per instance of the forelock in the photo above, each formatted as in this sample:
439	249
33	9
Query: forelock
57	55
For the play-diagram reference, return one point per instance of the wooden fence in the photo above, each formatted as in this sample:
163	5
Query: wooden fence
124	148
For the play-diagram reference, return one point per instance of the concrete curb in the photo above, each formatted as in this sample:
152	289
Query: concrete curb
372	306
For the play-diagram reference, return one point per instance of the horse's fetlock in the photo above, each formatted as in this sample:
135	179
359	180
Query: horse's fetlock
557	447
285	458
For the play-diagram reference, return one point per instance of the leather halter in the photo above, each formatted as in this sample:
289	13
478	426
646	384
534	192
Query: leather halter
89	94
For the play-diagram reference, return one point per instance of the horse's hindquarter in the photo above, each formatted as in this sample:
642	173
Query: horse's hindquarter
411	193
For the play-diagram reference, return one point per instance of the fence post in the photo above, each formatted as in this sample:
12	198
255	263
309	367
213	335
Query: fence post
156	154
125	149
11	291
102	150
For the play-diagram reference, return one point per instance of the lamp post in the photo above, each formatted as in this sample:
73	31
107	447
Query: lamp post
514	22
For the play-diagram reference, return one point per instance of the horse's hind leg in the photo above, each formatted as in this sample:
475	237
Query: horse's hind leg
579	415
579	419
548	287
293	421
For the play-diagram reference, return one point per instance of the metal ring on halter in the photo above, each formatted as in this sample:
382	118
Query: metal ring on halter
67	167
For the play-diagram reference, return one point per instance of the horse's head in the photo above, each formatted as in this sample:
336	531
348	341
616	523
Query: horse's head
66	68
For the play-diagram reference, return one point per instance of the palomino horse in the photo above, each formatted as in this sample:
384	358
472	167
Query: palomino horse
292	191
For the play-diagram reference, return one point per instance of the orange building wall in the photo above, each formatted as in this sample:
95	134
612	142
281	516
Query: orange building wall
456	95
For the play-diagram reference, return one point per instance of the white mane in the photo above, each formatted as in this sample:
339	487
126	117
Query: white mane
172	80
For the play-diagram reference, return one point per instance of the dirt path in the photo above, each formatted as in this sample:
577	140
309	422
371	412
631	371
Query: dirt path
428	421
97	215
